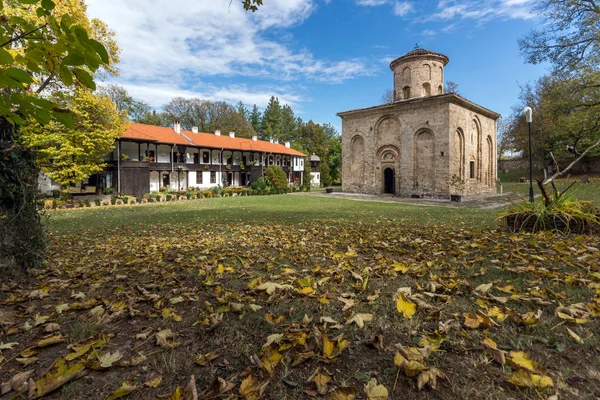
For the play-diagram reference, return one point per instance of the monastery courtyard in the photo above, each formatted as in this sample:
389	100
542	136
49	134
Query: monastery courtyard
310	297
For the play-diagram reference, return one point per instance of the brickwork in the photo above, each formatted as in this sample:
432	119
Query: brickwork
427	145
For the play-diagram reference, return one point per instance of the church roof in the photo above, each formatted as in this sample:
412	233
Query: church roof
420	53
449	97
314	157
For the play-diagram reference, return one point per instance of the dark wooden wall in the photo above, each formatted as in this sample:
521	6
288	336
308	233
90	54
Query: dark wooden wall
135	181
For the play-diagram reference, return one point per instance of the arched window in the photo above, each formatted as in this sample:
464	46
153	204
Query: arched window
427	72
440	90
426	89
406	92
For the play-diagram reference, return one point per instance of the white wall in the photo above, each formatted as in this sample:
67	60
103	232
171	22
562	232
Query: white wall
315	179
47	185
154	181
164	153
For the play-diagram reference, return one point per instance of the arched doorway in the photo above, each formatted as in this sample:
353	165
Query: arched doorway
388	181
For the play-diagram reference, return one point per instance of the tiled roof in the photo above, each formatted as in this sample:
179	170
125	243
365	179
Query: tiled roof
419	53
161	134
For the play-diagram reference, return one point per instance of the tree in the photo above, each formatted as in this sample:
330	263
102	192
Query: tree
289	127
42	45
69	155
271	120
569	38
255	118
388	97
137	111
208	116
242	110
325	172
452	87
570	41
334	159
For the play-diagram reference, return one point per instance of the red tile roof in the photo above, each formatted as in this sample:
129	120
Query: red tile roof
161	134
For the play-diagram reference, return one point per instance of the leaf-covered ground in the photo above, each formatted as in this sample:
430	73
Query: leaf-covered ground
340	309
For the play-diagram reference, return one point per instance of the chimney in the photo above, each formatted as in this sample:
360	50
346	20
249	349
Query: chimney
287	144
217	133
254	138
271	140
231	134
177	127
276	141
194	129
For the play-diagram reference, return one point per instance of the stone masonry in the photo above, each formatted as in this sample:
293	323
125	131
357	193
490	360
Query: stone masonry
427	142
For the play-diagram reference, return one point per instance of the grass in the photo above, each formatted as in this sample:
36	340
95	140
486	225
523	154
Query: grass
290	209
196	268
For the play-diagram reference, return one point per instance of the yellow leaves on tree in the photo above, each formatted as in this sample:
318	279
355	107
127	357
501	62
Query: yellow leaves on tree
70	155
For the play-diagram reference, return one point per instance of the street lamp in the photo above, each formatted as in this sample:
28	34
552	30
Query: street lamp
529	117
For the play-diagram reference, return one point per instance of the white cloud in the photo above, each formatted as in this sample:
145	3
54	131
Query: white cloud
159	94
371	3
401	8
482	10
170	44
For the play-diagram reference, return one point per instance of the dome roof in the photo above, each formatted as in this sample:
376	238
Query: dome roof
314	157
420	53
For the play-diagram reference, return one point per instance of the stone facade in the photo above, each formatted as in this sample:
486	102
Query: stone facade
422	144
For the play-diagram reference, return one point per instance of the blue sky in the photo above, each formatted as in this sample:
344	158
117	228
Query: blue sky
319	56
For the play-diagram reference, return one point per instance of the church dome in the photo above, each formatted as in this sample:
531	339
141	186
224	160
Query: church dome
418	73
420	53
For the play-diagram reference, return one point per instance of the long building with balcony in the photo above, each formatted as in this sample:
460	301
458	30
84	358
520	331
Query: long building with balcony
147	158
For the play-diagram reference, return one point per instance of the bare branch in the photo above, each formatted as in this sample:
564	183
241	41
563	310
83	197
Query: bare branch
561	173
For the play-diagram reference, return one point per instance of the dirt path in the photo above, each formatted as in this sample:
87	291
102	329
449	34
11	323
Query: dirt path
490	201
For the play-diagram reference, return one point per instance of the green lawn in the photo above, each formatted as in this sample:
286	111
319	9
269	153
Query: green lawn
281	209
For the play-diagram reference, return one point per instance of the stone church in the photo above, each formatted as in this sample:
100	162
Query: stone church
426	143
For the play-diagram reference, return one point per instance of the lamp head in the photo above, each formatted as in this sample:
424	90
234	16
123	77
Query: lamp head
528	114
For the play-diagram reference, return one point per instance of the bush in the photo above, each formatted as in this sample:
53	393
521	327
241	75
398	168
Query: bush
108	191
165	189
80	203
56	194
125	200
259	184
97	202
87	203
169	197
158	197
276	177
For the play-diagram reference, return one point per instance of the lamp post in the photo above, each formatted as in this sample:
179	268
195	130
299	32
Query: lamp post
529	117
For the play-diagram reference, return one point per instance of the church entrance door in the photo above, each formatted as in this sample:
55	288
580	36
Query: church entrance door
388	181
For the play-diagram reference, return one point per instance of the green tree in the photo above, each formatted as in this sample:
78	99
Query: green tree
243	111
276	177
71	154
334	159
255	118
42	45
570	41
137	111
271	120
289	127
325	172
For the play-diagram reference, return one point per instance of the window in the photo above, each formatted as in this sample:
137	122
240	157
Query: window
472	169
213	177
150	155
228	160
196	158
406	92
198	178
205	157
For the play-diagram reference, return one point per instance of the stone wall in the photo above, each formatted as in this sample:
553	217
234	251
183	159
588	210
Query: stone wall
427	147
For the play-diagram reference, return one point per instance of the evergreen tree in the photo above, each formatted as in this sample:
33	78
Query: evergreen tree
271	121
255	118
243	111
289	124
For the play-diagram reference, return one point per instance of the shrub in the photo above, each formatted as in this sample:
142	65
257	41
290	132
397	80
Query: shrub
108	191
169	197
276	177
97	202
56	194
158	197
259	184
188	195
87	203
80	203
165	189
125	200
